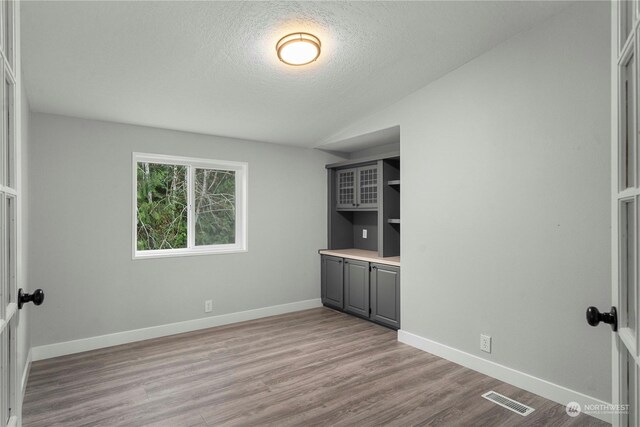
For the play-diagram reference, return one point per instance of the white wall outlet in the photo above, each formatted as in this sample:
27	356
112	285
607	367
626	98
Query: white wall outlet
485	343
208	306
364	233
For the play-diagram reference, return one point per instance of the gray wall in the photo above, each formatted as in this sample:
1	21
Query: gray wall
80	231
505	201
24	336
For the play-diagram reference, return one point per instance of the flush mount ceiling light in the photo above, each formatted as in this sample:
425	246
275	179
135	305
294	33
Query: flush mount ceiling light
298	48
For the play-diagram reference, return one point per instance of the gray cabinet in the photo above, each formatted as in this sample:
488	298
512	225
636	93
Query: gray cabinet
385	294
357	188
367	187
332	279
356	287
370	290
346	188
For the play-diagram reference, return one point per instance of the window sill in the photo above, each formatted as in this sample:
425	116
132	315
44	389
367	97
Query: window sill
168	253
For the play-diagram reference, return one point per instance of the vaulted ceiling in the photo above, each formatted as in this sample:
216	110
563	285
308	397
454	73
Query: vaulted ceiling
211	67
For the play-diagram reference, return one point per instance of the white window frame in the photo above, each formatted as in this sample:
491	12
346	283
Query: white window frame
242	172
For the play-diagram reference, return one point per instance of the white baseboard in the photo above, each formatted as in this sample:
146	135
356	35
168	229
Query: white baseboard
69	347
544	388
25	372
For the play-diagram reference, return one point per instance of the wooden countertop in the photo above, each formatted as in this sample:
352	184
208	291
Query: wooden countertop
361	255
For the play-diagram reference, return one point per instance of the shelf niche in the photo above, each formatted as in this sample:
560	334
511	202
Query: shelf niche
389	219
349	233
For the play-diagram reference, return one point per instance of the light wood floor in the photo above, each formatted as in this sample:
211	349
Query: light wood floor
315	367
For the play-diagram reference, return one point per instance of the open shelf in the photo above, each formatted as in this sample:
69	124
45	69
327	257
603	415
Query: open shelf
390	209
347	230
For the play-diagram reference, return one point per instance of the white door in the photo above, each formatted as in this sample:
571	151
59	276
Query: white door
625	212
9	386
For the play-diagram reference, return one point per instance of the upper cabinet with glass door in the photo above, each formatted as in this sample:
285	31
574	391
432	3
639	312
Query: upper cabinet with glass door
357	188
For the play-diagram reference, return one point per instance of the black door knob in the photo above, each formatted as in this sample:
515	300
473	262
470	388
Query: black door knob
37	297
594	317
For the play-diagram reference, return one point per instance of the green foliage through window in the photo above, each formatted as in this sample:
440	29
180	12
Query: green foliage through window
215	207
164	203
162	206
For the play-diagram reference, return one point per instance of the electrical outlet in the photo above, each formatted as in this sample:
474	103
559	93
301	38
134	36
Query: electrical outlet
208	306
364	233
485	343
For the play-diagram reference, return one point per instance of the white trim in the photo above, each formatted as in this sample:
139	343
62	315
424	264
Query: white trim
14	73
92	343
207	250
189	161
544	388
191	195
25	373
10	311
616	388
192	163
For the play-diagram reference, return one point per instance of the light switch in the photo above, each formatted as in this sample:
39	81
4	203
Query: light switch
364	233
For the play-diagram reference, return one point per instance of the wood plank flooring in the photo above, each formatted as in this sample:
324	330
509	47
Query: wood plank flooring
314	368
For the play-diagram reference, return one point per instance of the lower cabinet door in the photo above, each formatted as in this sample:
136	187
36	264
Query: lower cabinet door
385	294
356	287
332	281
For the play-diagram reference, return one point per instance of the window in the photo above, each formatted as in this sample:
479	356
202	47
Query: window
185	206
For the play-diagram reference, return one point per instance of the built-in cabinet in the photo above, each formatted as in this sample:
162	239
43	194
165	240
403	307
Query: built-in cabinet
364	217
364	206
367	289
357	188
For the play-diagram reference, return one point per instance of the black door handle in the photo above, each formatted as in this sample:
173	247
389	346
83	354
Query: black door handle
37	297
594	317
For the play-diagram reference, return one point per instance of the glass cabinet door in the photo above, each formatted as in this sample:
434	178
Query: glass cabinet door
357	188
367	187
346	188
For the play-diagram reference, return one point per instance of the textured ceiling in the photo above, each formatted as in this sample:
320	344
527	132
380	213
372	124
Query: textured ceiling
211	67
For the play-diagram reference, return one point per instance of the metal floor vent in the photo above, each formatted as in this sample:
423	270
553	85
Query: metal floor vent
510	404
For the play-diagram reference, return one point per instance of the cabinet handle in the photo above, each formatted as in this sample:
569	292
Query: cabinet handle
374	267
346	262
340	262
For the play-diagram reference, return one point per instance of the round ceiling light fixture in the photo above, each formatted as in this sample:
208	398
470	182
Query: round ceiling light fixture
298	48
